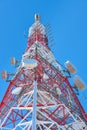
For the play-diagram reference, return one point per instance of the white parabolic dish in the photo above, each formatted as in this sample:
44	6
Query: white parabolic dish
70	67
17	91
78	82
29	63
58	91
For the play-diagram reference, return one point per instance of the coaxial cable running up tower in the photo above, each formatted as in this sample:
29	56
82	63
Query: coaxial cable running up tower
40	96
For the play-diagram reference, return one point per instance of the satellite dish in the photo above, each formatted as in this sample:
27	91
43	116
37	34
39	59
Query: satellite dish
4	74
70	67
39	116
17	91
13	61
45	76
78	82
58	91
29	63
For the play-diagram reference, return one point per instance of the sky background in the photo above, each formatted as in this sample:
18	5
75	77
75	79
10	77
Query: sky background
68	21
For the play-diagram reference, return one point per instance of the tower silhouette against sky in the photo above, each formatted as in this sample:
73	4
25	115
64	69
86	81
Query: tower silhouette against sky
39	95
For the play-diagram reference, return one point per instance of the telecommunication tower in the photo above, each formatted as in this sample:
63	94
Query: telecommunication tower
39	95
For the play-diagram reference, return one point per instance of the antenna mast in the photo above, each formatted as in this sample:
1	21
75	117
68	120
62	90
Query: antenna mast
40	96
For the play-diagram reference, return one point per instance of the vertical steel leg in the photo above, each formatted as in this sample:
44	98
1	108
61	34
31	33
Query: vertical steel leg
34	106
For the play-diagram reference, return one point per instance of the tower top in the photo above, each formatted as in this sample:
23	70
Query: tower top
37	27
37	17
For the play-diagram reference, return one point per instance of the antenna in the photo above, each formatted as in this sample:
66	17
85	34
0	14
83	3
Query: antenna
58	91
70	67
29	63
13	61
40	96
17	91
4	75
78	82
37	17
49	35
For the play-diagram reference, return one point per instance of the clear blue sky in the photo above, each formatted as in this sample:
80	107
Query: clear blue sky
68	19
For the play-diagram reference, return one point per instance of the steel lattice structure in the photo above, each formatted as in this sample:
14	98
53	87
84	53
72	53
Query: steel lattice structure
39	106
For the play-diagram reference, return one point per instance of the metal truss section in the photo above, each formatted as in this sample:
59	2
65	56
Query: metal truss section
39	96
49	115
44	53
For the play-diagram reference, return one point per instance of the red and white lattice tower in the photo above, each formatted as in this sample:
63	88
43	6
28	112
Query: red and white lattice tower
40	96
